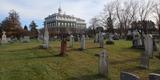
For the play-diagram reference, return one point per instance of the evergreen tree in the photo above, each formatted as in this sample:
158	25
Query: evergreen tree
26	32
25	28
110	25
33	30
12	25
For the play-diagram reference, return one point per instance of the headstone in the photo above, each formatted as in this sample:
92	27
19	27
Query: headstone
46	37
82	42
63	47
154	76
103	63
148	43
136	41
96	38
9	39
39	35
116	36
26	39
110	37
128	76
4	38
101	40
144	58
71	40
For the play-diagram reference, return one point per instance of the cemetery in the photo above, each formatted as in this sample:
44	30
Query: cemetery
121	43
31	62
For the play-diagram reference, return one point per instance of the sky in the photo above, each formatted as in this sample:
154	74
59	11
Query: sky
37	10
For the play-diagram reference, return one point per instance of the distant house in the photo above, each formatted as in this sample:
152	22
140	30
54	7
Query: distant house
59	22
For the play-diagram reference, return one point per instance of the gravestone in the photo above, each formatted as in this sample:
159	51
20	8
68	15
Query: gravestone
4	38
63	47
144	58
154	76
26	39
71	40
96	38
136	41
82	42
103	63
101	40
110	39
148	43
39	35
45	38
9	40
128	76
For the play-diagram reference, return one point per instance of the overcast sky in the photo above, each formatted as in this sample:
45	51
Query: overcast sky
37	10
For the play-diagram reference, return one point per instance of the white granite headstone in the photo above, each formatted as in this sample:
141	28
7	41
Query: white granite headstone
148	43
101	40
4	38
82	42
110	37
26	39
46	37
71	40
103	63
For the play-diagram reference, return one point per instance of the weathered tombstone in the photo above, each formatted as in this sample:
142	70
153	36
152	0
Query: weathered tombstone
110	39
9	39
148	43
45	38
39	35
136	41
158	49
103	63
96	38
101	40
144	58
139	41
128	76
4	38
63	47
154	76
26	39
71	40
82	42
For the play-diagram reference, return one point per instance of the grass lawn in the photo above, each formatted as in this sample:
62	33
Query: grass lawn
25	61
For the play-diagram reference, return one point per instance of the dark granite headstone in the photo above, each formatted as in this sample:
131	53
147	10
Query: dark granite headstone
128	76
154	76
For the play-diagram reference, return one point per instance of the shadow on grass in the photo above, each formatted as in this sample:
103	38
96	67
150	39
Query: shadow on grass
78	49
88	77
132	49
124	61
137	68
157	71
39	57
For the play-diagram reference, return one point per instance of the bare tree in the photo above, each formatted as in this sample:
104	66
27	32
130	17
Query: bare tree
94	23
145	9
157	17
126	13
109	16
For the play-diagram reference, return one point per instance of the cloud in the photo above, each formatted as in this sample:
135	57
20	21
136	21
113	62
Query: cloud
39	9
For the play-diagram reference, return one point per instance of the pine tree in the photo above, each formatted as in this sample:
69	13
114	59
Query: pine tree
11	25
33	30
26	32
